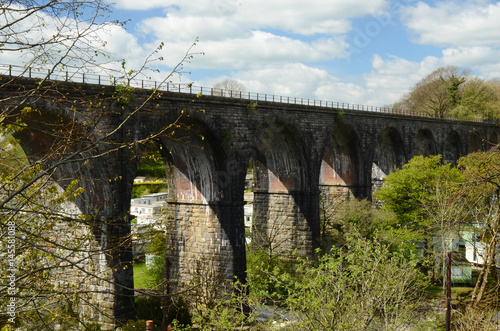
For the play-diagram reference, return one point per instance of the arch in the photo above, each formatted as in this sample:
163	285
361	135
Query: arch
389	155
425	143
452	147
342	164
492	140
280	162
475	142
194	160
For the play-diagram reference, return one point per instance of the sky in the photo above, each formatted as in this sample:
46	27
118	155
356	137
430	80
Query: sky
368	52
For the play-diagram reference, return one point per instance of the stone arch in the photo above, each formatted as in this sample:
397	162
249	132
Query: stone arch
425	144
194	161
475	142
202	234
280	161
342	163
389	155
492	140
452	147
283	213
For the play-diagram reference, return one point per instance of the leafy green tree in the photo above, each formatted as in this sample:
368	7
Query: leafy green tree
359	217
477	98
416	194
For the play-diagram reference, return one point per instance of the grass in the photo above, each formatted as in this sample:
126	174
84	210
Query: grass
142	278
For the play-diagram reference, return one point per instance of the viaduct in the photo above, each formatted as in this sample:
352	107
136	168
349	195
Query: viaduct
207	143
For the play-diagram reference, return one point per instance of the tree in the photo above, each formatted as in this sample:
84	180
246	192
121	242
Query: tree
228	88
477	98
420	194
342	219
44	237
481	195
451	92
362	286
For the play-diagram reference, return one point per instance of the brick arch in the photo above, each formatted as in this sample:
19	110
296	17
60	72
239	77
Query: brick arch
425	143
342	163
452	147
389	155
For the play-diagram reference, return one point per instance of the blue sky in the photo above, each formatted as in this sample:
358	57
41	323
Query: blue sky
356	51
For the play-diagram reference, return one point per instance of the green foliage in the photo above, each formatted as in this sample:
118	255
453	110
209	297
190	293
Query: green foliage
262	270
252	107
124	94
230	313
141	189
409	191
151	163
363	286
142	277
339	220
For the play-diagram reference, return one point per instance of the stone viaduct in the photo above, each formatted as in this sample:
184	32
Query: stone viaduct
207	143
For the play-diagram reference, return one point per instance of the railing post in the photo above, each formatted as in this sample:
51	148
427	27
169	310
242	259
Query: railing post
10	70
83	78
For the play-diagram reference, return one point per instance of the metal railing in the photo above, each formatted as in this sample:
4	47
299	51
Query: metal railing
93	78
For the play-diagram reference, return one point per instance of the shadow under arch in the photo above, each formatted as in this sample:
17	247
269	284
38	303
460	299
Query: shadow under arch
284	216
389	155
425	143
475	142
341	172
452	148
492	140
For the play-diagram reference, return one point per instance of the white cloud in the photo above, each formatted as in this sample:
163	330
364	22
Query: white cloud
390	79
473	23
258	48
295	16
141	5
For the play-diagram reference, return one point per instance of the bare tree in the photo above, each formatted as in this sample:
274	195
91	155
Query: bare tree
61	258
228	88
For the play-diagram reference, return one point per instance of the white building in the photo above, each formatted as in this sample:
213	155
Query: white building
148	208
